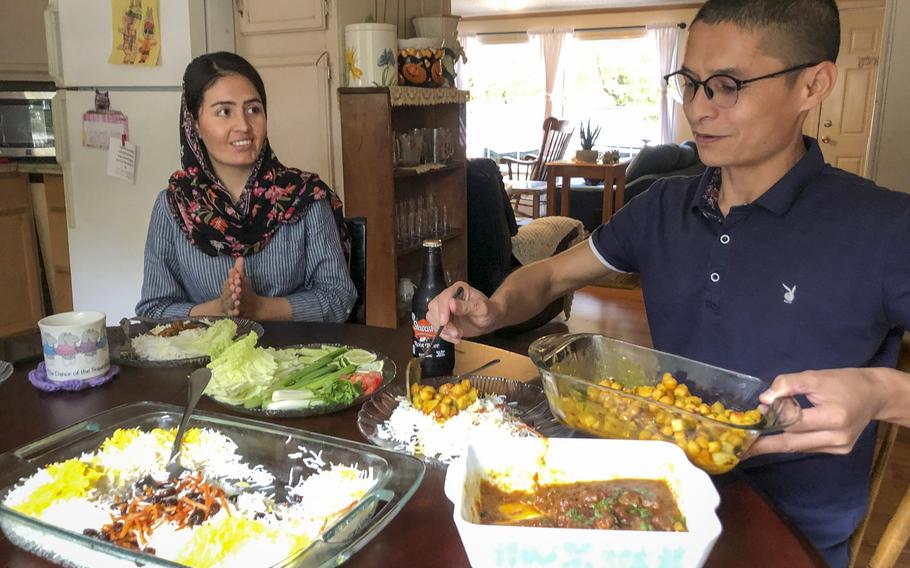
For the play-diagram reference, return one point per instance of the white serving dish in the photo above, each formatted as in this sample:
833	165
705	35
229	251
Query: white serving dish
569	460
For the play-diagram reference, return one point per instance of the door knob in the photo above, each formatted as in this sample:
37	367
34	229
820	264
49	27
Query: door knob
827	124
826	139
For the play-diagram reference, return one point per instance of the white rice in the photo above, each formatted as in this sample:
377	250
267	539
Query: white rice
149	347
419	434
318	499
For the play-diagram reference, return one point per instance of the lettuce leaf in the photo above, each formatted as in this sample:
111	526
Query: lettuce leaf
241	370
215	339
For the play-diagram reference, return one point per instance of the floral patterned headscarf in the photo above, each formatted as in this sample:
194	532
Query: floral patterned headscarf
274	195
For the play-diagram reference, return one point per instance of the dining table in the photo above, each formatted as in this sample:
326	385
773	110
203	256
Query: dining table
612	174
423	533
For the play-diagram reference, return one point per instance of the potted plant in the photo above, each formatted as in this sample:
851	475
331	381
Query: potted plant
588	136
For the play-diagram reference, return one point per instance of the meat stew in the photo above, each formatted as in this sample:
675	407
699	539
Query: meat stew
618	504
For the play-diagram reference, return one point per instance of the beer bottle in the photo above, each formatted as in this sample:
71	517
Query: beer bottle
441	359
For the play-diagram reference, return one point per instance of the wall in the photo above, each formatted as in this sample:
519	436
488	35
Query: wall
590	19
887	160
23	50
305	125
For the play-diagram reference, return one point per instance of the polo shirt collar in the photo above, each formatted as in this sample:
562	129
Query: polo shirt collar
779	198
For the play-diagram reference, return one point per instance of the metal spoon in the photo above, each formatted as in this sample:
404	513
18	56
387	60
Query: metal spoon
196	383
413	371
477	370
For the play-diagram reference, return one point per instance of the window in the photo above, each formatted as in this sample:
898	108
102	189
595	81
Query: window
615	84
505	112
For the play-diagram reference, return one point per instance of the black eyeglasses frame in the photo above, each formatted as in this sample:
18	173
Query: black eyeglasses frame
740	83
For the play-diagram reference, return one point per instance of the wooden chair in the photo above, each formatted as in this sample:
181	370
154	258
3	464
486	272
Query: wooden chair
896	533
529	173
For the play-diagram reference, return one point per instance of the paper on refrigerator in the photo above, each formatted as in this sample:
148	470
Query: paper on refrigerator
121	159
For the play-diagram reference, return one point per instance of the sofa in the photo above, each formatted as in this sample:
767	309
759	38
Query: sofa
646	167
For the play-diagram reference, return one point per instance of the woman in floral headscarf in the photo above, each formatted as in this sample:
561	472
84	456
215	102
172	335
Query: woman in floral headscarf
236	232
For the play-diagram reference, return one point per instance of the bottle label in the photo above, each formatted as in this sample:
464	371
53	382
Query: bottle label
422	333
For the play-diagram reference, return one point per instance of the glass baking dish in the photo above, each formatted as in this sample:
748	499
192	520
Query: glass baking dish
397	478
584	376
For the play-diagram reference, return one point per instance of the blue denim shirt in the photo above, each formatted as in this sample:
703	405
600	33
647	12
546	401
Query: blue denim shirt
814	274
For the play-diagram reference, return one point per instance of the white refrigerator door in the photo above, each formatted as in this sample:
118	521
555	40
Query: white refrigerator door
84	38
109	217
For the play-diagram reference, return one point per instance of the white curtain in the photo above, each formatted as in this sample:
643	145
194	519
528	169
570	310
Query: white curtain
469	44
666	39
551	43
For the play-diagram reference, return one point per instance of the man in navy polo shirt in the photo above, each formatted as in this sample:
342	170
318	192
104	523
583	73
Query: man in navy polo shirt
772	263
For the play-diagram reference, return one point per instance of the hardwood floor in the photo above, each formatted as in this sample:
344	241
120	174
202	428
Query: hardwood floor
620	313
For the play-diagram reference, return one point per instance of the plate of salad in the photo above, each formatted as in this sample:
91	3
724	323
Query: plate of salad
141	342
296	381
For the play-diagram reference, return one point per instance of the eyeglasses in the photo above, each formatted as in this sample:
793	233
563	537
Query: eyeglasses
721	89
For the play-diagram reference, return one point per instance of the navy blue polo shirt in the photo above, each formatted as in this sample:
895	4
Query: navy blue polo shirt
814	274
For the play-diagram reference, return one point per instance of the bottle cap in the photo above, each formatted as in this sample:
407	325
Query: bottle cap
432	243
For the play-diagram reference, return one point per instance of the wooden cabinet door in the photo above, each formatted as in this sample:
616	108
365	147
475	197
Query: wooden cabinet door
58	253
275	16
20	301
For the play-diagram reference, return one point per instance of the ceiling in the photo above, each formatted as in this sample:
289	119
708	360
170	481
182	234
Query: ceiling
496	7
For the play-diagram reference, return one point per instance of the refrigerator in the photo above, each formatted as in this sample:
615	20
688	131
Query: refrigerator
108	217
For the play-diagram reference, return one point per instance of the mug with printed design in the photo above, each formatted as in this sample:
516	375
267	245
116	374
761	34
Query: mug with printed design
75	345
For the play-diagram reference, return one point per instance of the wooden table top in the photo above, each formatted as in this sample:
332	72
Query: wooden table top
423	533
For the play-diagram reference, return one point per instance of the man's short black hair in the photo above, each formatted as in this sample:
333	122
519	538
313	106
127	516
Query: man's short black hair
796	31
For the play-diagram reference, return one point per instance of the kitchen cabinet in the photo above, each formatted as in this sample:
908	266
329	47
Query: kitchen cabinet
23	50
21	304
375	188
273	16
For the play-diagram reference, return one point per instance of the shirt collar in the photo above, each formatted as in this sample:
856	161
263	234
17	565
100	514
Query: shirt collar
779	198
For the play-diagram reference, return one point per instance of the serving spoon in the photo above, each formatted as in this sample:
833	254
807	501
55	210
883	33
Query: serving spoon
413	372
196	384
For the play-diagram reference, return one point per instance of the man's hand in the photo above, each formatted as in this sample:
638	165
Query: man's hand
845	401
473	315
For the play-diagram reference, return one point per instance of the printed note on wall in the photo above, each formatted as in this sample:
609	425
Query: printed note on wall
136	29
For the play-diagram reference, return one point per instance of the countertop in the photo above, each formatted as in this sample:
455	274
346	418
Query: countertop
31	168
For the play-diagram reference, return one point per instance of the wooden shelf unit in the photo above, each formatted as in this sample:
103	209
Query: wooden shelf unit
373	185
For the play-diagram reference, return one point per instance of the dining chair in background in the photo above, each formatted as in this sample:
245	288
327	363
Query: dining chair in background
357	229
528	174
894	538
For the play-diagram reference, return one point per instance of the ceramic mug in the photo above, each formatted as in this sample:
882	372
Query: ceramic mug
75	345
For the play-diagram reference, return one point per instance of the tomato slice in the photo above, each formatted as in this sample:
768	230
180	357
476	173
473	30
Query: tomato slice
369	381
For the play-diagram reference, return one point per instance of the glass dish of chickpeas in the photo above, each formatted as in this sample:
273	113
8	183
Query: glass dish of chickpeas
613	389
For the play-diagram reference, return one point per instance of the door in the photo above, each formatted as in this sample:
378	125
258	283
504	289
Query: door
300	129
843	122
21	304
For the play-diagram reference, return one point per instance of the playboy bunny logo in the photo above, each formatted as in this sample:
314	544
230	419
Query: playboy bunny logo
790	293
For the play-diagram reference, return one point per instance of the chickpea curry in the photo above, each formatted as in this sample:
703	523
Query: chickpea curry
618	504
714	445
446	401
